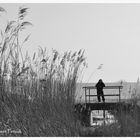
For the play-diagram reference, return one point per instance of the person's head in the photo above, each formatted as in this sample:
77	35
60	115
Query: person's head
100	81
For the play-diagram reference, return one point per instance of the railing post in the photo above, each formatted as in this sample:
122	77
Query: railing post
85	95
89	95
119	94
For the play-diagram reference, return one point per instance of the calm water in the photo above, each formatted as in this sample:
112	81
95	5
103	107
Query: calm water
100	117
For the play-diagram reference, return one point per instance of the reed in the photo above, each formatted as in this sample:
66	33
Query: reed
37	94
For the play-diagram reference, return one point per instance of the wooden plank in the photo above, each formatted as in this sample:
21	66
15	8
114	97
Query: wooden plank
103	106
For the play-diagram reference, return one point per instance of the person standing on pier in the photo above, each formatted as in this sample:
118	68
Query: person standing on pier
99	86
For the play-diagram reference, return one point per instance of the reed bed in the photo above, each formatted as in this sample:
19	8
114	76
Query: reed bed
37	94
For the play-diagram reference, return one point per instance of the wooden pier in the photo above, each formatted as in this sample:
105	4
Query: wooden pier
91	103
89	96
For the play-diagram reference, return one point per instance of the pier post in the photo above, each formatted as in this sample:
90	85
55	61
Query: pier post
104	115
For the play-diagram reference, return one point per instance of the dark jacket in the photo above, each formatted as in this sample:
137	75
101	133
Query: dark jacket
100	86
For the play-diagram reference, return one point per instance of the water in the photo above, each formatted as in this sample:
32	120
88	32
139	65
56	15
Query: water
100	117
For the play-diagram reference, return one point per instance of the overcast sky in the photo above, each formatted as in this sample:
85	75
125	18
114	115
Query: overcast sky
109	33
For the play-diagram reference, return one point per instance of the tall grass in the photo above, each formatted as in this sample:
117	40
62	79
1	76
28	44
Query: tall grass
31	105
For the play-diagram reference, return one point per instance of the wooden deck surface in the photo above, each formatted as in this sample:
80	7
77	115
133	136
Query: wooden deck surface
104	106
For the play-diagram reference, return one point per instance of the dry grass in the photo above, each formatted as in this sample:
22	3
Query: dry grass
31	105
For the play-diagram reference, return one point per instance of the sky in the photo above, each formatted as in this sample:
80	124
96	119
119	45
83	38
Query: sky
109	34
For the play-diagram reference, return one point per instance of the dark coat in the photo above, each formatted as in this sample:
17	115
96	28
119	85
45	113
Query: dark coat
99	86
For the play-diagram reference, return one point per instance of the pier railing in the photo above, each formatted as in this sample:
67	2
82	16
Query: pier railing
89	95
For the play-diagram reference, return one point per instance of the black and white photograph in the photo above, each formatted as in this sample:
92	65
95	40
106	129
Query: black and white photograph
70	69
